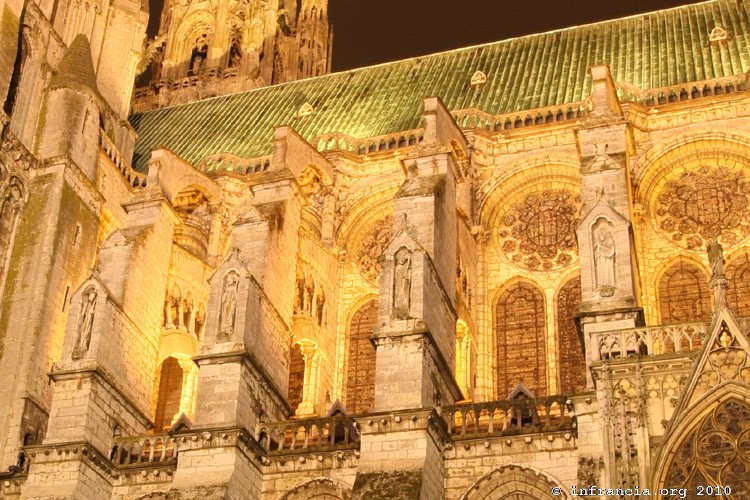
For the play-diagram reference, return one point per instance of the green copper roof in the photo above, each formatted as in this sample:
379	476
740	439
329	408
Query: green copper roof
660	49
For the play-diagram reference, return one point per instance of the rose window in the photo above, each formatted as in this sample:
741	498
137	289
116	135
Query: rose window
538	233
702	205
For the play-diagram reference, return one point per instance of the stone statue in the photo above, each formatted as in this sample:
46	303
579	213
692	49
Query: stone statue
309	294
402	284
716	259
604	258
85	325
229	303
320	303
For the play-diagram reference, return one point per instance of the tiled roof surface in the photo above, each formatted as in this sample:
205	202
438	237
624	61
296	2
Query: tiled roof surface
660	49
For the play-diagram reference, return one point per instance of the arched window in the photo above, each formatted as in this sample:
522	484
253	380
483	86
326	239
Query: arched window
684	296
360	377
296	376
738	275
170	392
572	361
521	330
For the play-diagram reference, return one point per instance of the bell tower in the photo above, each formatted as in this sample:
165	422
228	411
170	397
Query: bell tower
206	49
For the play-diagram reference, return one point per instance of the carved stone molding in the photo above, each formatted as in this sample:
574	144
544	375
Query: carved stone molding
372	246
538	233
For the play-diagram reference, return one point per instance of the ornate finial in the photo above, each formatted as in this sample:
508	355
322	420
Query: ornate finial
718	280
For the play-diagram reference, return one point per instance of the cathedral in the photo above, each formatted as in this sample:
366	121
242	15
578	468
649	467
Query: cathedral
518	270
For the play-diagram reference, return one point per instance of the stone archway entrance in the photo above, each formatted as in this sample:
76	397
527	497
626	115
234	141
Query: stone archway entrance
514	482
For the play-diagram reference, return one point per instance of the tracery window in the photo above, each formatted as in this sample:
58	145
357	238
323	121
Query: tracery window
572	360
170	392
716	453
521	330
684	296
360	378
738	275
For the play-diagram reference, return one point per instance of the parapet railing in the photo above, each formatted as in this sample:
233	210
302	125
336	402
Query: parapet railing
134	178
509	417
648	341
339	141
474	118
313	434
139	450
684	92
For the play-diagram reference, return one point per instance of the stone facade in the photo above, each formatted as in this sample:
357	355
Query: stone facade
338	288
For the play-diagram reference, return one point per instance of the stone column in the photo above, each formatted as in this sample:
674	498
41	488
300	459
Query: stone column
416	335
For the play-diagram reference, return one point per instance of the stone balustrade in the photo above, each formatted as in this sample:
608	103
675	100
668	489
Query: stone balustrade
133	178
509	417
141	450
476	119
313	434
648	341
684	92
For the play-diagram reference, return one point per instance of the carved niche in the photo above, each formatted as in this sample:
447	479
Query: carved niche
705	204
373	243
538	233
402	283
228	311
85	324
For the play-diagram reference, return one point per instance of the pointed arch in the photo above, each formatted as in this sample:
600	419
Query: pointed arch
521	329
515	482
319	489
360	373
683	295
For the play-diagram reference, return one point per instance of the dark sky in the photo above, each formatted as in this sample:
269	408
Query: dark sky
369	32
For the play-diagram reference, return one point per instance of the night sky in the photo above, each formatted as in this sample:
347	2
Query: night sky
369	32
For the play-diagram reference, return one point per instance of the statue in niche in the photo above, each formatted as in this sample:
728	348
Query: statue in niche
86	324
229	304
604	259
320	303
402	284
716	259
299	297
309	294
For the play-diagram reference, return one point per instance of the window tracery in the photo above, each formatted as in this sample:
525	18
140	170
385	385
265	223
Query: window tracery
704	204
572	360
521	330
715	452
538	233
360	378
684	296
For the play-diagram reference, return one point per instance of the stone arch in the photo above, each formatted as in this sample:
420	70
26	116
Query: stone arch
643	172
515	482
201	21
490	193
723	413
367	207
360	363
319	489
682	292
520	338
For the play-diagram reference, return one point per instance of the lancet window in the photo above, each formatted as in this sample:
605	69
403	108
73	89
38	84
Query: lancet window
170	392
684	296
572	361
521	330
360	379
296	376
738	274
